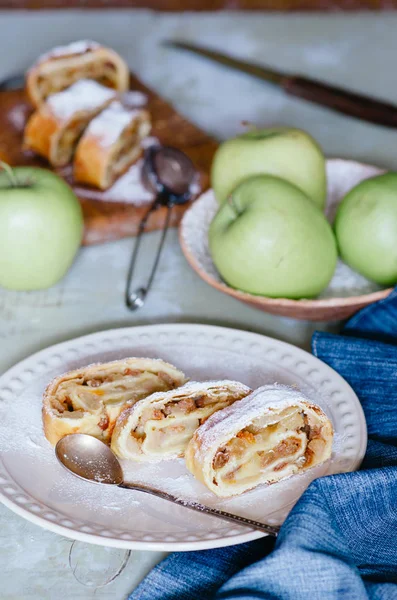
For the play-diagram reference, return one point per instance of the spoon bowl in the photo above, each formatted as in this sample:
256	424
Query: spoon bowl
89	458
169	172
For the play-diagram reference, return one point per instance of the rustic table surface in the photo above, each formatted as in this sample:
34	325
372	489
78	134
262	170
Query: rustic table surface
358	51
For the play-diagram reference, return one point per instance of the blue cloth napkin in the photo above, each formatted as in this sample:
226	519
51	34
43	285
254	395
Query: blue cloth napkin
340	540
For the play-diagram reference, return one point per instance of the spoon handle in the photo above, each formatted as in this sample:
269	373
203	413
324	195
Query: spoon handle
221	514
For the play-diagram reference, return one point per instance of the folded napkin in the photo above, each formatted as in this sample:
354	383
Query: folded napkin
340	540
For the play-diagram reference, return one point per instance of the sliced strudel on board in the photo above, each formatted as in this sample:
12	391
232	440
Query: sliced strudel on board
271	434
55	128
89	400
110	145
160	426
61	67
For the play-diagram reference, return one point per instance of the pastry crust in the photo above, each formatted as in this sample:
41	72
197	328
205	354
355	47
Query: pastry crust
271	434
89	400
160	426
63	66
110	145
55	128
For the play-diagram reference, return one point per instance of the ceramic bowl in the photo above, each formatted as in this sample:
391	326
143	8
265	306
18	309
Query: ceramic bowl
347	292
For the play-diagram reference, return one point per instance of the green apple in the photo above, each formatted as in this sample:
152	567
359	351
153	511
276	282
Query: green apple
41	227
366	228
270	239
291	154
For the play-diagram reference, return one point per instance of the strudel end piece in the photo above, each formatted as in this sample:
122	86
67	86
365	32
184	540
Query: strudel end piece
271	434
89	400
63	66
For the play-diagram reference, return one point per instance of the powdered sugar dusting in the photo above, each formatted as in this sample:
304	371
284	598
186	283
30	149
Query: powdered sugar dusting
110	123
195	186
128	188
194	231
18	116
150	141
84	95
342	175
134	99
79	47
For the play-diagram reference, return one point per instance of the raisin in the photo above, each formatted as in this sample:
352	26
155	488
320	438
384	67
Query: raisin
220	459
103	423
157	415
131	372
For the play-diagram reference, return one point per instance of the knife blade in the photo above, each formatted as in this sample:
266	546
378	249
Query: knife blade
359	106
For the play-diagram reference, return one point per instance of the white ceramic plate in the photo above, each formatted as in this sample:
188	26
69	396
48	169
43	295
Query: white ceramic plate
36	487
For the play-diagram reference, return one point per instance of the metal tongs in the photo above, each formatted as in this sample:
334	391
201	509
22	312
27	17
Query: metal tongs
169	174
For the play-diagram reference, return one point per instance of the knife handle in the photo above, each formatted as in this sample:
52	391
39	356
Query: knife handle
348	103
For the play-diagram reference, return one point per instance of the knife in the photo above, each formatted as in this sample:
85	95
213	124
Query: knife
338	99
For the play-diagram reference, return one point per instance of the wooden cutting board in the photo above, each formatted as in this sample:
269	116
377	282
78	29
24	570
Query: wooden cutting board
106	221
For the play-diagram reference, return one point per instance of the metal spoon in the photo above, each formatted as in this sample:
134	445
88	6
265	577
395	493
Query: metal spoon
168	173
90	459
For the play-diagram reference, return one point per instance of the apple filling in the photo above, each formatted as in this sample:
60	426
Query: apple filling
268	452
127	149
90	400
171	427
63	76
69	138
111	390
161	426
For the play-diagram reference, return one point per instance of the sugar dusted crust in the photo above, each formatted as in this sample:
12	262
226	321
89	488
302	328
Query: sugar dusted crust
62	66
74	48
89	400
160	426
54	129
276	428
110	145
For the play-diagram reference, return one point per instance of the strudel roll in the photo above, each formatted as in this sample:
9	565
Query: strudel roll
271	434
90	399
110	145
160	426
55	128
61	67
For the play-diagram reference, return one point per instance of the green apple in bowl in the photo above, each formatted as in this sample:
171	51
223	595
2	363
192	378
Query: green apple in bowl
366	228
269	239
291	154
41	227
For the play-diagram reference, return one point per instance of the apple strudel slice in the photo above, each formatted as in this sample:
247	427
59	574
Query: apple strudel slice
110	145
55	128
160	426
89	400
271	434
63	66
